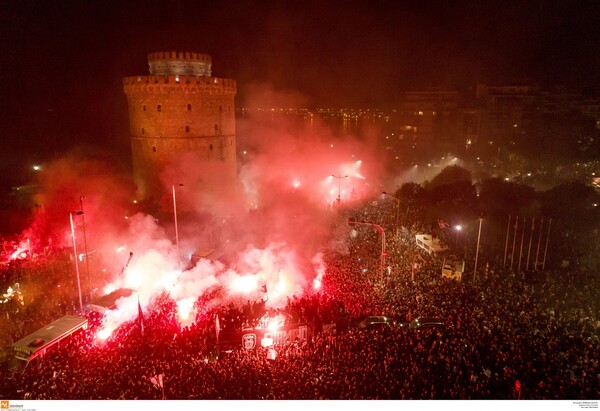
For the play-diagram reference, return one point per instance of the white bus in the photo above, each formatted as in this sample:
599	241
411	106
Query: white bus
38	343
433	246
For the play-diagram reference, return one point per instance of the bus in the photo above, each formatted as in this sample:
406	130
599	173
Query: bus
38	343
433	246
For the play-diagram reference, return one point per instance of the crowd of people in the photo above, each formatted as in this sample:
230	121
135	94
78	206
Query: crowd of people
506	336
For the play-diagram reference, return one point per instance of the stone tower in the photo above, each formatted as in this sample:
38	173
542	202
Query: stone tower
179	108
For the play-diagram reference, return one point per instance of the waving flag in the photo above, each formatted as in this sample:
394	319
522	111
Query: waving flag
140	316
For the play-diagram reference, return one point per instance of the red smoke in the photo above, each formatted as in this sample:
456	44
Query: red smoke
273	221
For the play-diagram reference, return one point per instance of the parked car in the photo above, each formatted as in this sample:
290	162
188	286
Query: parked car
376	322
424	323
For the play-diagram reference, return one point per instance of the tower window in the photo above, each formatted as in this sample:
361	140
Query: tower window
144	107
216	127
143	131
220	108
159	108
189	107
187	129
154	149
210	147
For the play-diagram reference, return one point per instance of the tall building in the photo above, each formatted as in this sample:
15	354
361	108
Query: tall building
179	108
432	116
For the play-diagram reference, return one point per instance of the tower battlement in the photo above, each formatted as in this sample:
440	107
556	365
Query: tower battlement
183	63
179	84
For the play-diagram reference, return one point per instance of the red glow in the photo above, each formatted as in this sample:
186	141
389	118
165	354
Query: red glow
275	323
245	284
184	307
104	333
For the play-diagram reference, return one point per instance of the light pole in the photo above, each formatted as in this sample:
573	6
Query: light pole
76	262
87	263
457	228
397	210
339	197
351	222
477	251
176	228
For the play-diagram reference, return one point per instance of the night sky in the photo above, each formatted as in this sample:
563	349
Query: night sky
63	61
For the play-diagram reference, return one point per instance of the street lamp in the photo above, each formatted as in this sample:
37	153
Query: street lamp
458	229
76	262
339	197
397	210
87	263
352	221
175	217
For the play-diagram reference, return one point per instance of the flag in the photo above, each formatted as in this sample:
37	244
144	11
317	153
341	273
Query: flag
217	327
442	223
140	316
518	388
271	354
157	381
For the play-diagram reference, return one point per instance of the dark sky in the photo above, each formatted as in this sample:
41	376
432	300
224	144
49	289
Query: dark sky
63	61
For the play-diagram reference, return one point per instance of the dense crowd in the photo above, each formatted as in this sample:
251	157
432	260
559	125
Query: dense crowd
506	336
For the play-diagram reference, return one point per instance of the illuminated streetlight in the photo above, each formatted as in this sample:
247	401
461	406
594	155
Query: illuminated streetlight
175	217
76	262
87	263
352	221
339	198
458	229
397	209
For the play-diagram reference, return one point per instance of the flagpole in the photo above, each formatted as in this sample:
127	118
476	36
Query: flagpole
546	249
537	254
512	253
521	248
506	243
530	238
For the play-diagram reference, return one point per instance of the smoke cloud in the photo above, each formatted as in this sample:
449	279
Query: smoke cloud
266	227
